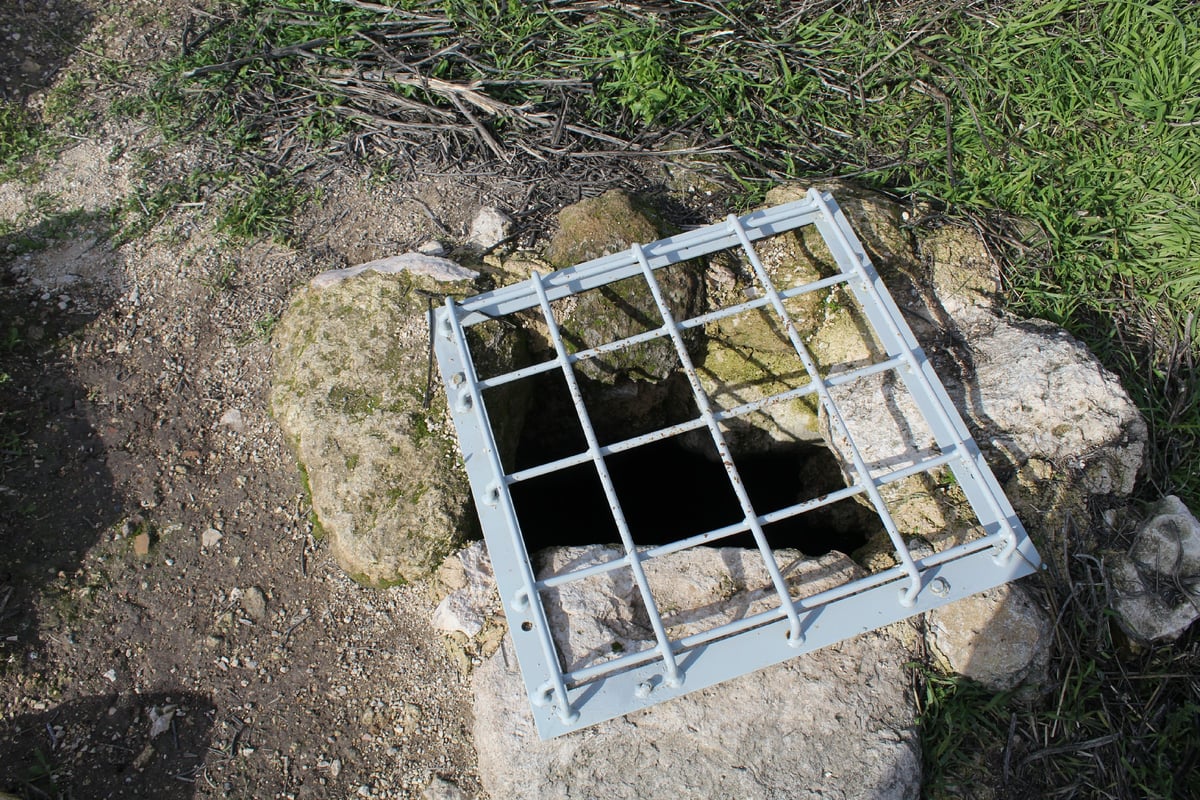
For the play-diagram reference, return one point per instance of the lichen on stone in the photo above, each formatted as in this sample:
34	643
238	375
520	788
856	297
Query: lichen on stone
351	376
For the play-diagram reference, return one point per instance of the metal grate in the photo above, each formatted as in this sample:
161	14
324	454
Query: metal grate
566	698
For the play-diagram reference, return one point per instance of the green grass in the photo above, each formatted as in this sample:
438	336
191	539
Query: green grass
260	205
1118	720
20	139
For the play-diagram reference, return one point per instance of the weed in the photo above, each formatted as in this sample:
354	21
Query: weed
53	226
65	103
261	331
260	206
221	278
20	138
151	203
41	778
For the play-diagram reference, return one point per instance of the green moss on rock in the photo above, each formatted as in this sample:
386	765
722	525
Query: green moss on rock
383	471
609	224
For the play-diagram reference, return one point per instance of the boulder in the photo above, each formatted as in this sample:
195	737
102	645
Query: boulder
838	722
349	389
601	226
999	638
1156	584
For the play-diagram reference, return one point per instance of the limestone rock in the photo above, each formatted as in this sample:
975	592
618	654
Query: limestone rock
489	228
472	599
1157	583
1038	393
348	390
836	723
1040	406
999	638
878	222
439	269
749	356
963	274
600	226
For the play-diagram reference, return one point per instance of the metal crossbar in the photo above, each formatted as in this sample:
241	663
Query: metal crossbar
563	699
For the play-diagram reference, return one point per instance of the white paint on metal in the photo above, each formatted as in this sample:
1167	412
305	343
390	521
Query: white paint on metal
566	700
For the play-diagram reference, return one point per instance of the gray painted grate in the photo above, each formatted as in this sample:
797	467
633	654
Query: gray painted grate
565	700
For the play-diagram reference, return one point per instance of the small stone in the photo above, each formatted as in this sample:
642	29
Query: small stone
233	420
999	637
440	269
255	603
335	767
432	248
111	676
467	607
1156	595
442	789
141	544
490	227
160	720
211	537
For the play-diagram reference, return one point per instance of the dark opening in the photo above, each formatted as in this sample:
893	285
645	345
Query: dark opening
668	492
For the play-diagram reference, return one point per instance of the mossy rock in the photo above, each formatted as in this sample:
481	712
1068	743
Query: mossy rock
349	390
750	355
608	224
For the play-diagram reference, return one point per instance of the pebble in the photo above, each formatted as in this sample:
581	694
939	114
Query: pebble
490	227
141	544
442	789
255	603
210	537
234	420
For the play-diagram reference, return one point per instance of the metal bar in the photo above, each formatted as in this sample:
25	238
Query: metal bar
714	428
564	701
695	424
835	415
761	643
741	527
673	677
895	327
608	269
658	333
466	400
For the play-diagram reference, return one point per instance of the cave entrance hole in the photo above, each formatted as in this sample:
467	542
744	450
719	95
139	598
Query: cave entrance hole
675	488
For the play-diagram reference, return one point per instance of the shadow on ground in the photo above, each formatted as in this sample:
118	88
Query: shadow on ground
39	37
56	491
135	746
57	500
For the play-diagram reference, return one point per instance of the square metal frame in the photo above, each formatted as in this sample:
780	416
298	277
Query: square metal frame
567	700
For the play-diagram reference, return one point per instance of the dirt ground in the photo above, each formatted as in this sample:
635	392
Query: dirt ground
169	625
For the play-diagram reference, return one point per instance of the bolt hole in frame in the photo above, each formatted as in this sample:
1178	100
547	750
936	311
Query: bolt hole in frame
673	660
